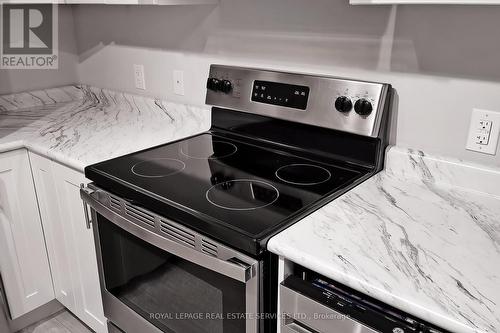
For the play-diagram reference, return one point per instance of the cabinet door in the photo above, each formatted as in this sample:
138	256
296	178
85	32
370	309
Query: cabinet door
186	2
58	237
32	1
428	2
85	1
23	257
88	297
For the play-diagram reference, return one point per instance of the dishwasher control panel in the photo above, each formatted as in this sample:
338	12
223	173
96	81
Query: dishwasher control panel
310	302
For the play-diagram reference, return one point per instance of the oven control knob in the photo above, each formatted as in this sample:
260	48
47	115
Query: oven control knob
213	84
363	107
226	86
343	104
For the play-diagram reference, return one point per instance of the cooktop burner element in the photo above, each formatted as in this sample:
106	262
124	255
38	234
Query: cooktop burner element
240	190
158	167
216	149
242	194
303	174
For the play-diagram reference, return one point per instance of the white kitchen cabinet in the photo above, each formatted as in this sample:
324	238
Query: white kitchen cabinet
89	2
69	243
32	1
147	2
58	234
421	2
24	265
186	2
88	300
119	2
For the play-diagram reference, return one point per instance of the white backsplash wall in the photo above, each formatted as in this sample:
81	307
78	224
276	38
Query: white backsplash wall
17	80
442	60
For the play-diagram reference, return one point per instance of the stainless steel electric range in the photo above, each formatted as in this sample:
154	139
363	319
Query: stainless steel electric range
181	229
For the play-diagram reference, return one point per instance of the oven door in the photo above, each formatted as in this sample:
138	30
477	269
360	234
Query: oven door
158	276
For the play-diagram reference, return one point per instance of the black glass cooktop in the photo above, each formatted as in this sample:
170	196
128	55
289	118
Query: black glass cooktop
225	182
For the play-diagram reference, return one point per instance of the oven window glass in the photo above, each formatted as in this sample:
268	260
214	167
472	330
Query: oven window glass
173	294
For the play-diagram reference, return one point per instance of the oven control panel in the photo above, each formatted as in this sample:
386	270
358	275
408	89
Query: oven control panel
335	103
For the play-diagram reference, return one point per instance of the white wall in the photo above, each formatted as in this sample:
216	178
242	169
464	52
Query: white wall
442	60
16	80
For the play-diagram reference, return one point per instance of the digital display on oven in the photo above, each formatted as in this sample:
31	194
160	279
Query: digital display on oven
282	94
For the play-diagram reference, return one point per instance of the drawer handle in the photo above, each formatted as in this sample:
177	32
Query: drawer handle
293	327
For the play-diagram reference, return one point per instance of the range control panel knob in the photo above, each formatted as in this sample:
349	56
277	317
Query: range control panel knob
226	86
213	84
343	104
363	107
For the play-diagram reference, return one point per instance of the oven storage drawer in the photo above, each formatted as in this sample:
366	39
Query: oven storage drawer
301	314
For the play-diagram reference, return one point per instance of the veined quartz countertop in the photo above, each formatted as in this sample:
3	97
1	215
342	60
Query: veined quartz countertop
80	125
423	236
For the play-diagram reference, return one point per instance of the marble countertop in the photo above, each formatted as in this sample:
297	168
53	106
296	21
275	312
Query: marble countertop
80	125
415	236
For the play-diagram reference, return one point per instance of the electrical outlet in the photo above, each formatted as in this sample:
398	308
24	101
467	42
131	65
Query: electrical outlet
484	131
178	77
140	80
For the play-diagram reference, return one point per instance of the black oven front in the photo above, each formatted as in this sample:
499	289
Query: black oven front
158	276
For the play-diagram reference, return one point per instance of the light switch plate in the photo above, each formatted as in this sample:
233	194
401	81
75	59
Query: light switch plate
178	78
139	79
484	131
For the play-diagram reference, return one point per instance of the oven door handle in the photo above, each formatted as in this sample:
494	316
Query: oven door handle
235	268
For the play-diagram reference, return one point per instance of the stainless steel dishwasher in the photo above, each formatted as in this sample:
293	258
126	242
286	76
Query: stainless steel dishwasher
311	303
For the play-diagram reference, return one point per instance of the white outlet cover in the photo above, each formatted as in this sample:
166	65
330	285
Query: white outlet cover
477	116
178	77
139	79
